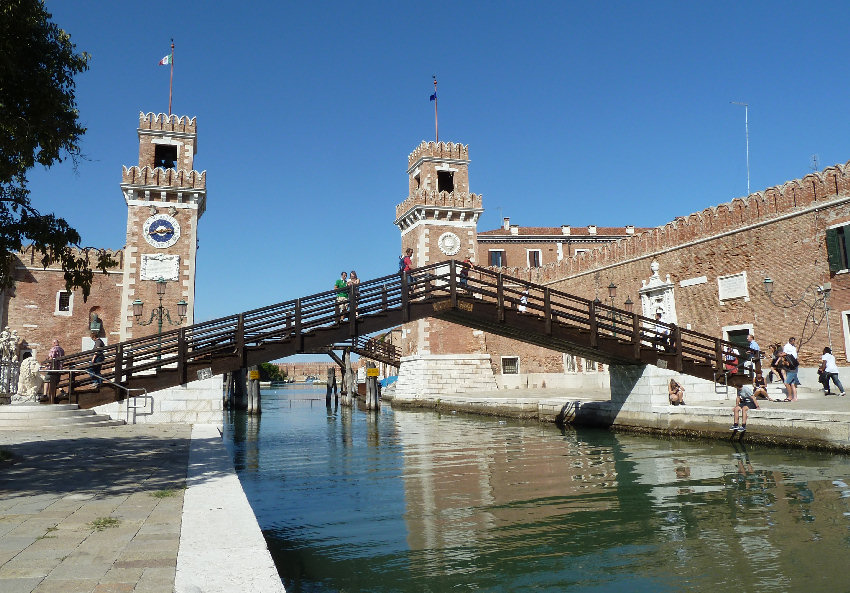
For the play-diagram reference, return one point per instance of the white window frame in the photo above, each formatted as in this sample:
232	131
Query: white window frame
584	366
570	358
528	253
502	364
728	328
70	310
504	256
845	322
579	251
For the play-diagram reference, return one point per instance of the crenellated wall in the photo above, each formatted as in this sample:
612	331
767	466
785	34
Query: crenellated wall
441	199
159	177
167	123
761	206
440	150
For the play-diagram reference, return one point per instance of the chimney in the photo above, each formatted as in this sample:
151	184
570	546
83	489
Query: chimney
514	229
630	229
506	223
591	229
565	229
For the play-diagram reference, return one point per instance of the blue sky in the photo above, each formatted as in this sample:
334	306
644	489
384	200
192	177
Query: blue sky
575	113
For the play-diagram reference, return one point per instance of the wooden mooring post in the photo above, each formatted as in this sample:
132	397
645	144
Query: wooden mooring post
331	387
253	391
372	401
349	381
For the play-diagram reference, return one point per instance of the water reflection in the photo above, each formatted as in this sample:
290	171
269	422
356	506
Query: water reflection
417	501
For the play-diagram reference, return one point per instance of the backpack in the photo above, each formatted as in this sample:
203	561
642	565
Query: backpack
400	263
792	362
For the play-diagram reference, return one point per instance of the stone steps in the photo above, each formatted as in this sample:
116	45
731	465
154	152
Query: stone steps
28	416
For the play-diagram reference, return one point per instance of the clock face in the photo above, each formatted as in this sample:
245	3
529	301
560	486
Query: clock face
161	230
449	243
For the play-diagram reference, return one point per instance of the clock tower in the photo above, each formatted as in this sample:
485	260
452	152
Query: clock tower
165	199
439	220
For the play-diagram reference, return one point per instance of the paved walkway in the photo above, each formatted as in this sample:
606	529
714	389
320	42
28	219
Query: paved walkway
102	510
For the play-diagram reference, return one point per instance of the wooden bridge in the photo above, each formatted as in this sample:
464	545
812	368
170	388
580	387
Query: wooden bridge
487	300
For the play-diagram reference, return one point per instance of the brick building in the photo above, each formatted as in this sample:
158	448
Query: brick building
774	263
165	199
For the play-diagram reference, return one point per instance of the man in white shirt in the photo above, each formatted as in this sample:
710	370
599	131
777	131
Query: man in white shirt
790	347
791	380
829	370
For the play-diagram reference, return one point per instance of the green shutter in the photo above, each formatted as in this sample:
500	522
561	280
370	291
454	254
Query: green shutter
833	250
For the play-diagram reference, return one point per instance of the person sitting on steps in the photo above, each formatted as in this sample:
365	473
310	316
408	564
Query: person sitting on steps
676	393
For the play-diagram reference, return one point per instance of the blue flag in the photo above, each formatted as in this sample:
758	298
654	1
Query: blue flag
433	97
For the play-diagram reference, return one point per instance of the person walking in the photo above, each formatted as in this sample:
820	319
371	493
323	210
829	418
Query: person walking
463	276
54	364
774	368
96	360
829	370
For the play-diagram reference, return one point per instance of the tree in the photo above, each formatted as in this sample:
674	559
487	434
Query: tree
270	372
39	125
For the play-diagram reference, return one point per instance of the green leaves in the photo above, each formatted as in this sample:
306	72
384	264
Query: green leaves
39	124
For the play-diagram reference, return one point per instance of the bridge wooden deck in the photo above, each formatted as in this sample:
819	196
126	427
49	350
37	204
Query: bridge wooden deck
487	301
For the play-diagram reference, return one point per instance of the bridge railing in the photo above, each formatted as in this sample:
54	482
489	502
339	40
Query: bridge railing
236	334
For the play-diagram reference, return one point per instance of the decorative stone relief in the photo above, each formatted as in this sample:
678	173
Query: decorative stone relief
160	265
449	243
657	295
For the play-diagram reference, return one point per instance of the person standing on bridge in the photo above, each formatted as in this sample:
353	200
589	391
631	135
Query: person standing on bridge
407	267
353	281
341	288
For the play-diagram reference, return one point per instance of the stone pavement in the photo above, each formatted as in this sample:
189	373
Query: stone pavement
101	510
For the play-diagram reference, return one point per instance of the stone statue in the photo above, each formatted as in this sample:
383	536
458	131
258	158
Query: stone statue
29	381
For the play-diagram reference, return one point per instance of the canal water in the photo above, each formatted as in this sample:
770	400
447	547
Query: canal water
420	501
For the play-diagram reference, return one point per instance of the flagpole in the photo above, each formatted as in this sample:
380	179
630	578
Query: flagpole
436	120
171	81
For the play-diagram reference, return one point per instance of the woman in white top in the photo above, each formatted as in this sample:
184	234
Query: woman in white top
829	370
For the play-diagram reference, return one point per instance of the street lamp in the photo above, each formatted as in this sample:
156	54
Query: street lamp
160	313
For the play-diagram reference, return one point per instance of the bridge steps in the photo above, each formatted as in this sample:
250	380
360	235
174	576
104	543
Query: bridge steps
29	416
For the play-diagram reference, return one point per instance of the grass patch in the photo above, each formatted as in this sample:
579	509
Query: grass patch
102	523
167	493
49	530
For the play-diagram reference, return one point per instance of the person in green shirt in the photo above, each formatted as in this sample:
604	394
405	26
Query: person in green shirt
341	288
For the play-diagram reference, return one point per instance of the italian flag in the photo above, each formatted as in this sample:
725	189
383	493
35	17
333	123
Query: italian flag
169	59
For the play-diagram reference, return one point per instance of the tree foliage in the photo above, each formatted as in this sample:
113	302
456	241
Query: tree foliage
270	372
39	125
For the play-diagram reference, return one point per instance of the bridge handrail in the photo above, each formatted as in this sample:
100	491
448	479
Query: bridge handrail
293	319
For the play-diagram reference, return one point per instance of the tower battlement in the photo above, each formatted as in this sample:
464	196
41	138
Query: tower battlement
159	177
439	150
439	200
161	122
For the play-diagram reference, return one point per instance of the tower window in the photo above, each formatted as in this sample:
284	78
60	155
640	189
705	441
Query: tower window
445	181
416	182
165	155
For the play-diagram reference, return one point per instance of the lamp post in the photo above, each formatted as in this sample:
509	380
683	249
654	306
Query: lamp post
820	300
628	304
160	313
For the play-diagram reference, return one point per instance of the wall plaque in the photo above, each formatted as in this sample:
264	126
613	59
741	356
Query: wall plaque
733	286
159	265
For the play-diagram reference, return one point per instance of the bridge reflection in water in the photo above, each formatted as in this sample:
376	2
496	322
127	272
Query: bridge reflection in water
417	501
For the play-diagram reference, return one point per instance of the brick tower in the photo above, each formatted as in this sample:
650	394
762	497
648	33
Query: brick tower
165	199
438	220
